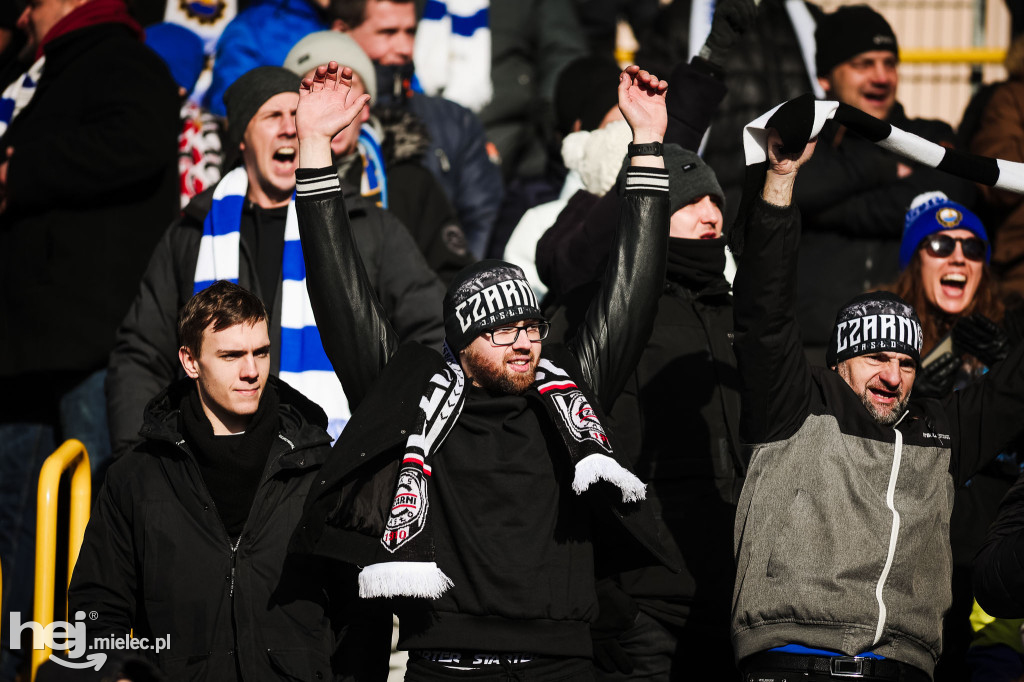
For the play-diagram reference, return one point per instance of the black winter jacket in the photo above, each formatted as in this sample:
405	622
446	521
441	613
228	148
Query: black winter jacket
145	355
91	186
157	560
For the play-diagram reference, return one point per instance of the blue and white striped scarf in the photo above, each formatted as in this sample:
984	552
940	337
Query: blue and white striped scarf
453	51
303	362
374	181
19	93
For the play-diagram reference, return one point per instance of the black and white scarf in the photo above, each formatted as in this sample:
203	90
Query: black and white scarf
799	120
413	571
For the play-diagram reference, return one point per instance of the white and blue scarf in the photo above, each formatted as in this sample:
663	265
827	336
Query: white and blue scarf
302	360
374	181
453	51
18	94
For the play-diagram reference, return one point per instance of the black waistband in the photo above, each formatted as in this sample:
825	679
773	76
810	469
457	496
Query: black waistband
839	668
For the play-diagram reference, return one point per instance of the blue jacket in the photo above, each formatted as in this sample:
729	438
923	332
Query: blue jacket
259	36
458	158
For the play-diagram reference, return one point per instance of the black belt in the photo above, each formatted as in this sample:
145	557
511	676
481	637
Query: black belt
838	667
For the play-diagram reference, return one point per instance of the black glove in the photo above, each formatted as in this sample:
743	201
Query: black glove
732	18
936	380
982	338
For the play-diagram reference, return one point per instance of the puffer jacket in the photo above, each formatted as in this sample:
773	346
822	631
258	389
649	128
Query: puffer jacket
156	560
144	359
842	529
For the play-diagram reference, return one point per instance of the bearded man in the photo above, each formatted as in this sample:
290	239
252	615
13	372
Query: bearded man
480	486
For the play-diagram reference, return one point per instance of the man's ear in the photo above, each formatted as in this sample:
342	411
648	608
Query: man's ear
825	84
339	26
188	362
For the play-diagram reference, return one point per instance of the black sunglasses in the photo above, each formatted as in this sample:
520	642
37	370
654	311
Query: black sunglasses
942	245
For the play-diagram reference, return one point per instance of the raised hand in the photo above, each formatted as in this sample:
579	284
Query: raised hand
781	163
327	105
642	103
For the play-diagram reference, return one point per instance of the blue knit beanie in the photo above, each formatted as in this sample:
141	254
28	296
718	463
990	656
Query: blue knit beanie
181	49
933	212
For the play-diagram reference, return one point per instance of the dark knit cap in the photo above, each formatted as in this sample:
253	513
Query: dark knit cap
247	94
586	90
874	322
487	294
847	32
689	178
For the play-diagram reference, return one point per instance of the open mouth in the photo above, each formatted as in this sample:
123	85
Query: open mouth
883	396
285	155
520	364
953	284
877	97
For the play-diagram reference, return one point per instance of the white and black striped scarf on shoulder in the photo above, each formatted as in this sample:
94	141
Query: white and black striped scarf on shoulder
412	571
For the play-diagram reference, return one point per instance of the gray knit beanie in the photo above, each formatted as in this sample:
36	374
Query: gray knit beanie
689	178
247	94
321	47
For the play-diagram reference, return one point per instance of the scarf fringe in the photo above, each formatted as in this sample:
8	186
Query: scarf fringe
599	467
403	579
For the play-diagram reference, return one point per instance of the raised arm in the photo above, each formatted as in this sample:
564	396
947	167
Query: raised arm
619	321
356	334
769	353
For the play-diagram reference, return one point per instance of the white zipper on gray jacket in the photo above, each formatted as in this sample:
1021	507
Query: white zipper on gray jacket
894	532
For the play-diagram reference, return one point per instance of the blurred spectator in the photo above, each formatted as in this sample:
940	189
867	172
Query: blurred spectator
414	195
853	194
594	142
87	183
599	20
244	229
199	148
261	35
772	62
1000	134
456	150
502	61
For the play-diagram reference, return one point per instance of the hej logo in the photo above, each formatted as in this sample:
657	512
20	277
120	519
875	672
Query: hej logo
60	636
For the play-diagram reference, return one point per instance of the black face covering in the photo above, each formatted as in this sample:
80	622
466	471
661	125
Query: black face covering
696	263
392	84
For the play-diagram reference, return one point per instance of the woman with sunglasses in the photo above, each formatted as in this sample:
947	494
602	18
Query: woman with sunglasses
945	275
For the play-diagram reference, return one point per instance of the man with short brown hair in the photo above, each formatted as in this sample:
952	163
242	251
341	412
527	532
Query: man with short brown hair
188	538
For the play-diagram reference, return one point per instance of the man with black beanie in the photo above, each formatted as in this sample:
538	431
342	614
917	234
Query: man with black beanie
842	535
478	488
854	194
243	230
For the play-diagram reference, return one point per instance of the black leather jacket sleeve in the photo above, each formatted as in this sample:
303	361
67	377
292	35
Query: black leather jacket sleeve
619	321
359	341
354	329
769	353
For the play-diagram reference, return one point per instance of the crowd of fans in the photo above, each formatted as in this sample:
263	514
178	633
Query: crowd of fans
249	253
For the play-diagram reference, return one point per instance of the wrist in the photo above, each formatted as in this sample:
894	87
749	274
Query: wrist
315	152
778	188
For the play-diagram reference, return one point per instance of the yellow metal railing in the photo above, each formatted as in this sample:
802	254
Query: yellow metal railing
71	454
968	55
